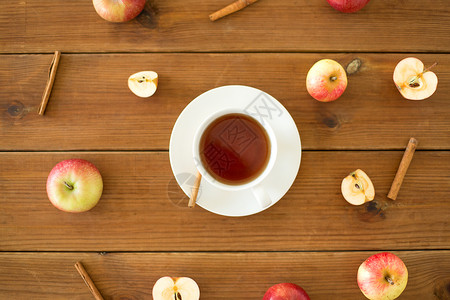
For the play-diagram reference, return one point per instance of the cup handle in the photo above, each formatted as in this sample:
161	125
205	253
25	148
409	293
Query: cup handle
262	196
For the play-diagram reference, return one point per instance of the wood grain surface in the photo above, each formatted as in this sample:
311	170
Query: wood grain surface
246	276
142	229
91	107
143	209
44	26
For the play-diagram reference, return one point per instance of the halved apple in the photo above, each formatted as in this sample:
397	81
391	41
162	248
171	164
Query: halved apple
143	84
357	188
413	82
175	288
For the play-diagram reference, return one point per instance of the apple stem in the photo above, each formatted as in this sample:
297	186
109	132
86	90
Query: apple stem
333	78
70	187
429	68
389	279
413	83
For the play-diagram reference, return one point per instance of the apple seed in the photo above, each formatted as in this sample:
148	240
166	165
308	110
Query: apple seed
414	84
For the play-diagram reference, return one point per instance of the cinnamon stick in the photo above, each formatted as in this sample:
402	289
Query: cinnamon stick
195	189
404	164
87	279
51	79
233	7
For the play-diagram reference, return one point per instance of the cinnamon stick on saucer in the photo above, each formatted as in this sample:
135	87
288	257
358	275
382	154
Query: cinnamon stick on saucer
51	79
233	7
404	164
87	279
195	189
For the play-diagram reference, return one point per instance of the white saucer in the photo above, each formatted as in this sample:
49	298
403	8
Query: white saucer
263	107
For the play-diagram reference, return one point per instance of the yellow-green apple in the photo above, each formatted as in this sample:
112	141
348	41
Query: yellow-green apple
357	188
348	6
285	291
118	10
74	185
326	80
143	84
175	288
382	276
413	82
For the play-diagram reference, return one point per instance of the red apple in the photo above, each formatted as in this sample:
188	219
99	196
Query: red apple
348	6
118	10
326	80
74	185
382	276
285	291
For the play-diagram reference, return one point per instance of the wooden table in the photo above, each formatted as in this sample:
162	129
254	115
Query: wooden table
136	234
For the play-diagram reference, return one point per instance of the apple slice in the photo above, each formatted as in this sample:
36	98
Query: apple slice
413	82
143	84
175	288
357	188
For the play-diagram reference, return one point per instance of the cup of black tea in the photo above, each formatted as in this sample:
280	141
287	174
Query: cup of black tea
235	151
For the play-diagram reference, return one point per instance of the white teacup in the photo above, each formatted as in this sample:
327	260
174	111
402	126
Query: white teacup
255	184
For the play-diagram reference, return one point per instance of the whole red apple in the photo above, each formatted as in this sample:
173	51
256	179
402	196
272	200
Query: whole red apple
326	80
348	6
118	10
285	291
382	276
74	185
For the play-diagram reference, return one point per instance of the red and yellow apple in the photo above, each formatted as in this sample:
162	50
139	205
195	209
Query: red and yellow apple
74	185
178	288
413	82
285	291
326	80
382	276
118	10
348	6
143	84
357	188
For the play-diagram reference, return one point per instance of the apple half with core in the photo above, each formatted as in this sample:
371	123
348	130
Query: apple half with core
143	84
175	288
357	188
285	291
412	81
348	6
326	80
74	185
118	10
382	276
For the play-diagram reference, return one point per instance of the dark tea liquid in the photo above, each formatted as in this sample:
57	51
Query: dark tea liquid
234	149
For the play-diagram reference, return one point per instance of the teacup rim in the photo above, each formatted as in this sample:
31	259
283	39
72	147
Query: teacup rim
205	174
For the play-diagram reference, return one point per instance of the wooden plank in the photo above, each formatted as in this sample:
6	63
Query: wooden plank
142	208
91	107
183	25
248	275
